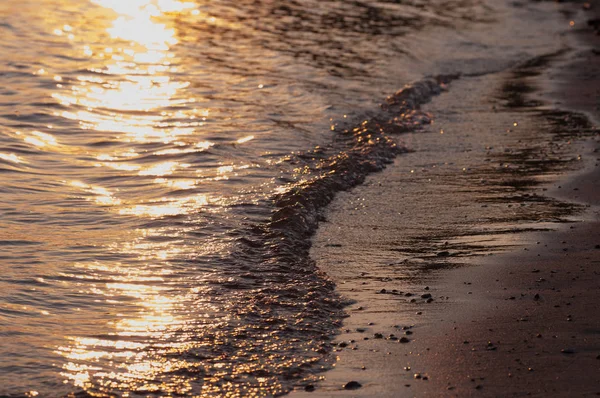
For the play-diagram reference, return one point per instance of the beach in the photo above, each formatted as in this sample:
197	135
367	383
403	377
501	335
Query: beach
319	198
477	275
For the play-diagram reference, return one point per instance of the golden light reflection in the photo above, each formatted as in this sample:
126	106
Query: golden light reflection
245	139
131	91
102	196
162	169
11	157
166	207
155	318
39	139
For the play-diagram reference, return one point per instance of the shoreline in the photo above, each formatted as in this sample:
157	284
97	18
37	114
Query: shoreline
472	314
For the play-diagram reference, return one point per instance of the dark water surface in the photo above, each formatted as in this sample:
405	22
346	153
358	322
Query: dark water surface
159	178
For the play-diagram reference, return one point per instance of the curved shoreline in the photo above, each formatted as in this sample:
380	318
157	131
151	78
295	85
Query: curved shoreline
479	335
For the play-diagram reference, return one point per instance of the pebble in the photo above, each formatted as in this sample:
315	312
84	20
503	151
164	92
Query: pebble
404	340
352	385
309	388
567	351
426	295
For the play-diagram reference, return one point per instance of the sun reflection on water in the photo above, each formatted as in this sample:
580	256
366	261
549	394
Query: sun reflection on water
130	91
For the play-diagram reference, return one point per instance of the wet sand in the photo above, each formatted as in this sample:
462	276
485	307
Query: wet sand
478	275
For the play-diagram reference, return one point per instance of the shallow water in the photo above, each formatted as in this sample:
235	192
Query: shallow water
154	173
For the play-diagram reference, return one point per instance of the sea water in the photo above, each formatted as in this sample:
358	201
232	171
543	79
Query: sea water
163	164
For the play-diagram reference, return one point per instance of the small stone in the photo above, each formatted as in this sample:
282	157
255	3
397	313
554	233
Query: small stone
378	335
426	295
417	376
343	344
567	351
478	387
309	388
352	385
404	340
536	297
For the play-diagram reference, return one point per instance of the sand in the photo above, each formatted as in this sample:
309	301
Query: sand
474	261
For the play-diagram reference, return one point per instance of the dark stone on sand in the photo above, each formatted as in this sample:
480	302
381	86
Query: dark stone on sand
352	385
478	387
426	295
536	297
404	340
309	388
443	254
378	336
567	351
343	344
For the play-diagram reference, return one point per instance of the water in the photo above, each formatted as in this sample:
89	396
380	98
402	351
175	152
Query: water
162	165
